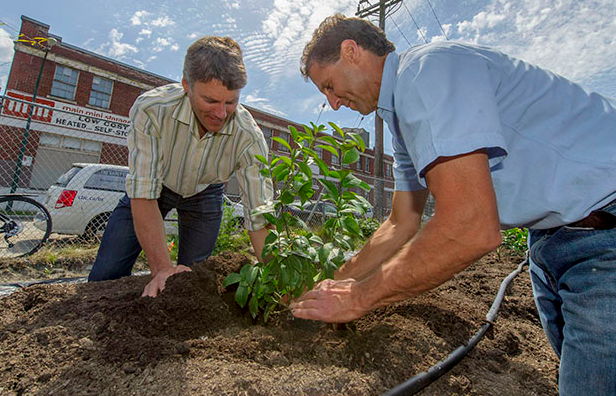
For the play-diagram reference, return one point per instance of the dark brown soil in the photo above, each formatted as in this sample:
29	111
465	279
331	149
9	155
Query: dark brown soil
104	339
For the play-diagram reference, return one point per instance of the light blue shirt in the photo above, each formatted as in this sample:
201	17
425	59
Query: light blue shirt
551	145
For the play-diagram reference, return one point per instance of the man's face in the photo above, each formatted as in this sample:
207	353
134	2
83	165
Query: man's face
344	84
211	102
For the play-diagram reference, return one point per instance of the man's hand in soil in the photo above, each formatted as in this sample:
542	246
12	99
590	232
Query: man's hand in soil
157	284
333	301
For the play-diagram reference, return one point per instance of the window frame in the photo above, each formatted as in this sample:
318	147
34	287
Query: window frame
96	94
60	85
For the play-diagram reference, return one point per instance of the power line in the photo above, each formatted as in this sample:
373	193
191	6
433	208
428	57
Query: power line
394	21
362	118
437	20
415	22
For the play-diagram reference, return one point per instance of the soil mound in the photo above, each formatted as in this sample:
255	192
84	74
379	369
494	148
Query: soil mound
104	339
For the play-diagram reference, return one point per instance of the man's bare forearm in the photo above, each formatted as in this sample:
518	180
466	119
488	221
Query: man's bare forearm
257	239
150	231
384	243
401	225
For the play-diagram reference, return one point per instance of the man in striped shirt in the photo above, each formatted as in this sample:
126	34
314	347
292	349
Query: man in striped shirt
185	141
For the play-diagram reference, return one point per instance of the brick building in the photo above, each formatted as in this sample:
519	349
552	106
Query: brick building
85	99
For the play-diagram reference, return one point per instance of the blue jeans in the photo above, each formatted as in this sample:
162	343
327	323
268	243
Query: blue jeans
199	219
573	272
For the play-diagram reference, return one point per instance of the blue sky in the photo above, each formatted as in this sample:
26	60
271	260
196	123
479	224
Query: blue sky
576	39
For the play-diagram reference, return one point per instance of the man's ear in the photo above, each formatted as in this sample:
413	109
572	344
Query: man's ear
186	85
349	50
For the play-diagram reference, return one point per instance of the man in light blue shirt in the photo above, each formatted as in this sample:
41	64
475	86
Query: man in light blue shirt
500	144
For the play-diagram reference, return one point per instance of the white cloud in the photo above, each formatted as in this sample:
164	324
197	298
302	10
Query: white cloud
136	19
569	37
6	46
277	49
264	104
162	21
116	48
145	32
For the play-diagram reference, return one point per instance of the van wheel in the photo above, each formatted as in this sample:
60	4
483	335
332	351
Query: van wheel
96	226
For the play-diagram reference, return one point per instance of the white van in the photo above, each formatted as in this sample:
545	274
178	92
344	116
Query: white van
82	199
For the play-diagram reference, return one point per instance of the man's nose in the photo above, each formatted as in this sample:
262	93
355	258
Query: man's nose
333	100
220	111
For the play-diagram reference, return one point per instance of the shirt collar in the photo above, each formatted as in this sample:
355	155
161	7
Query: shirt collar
388	79
184	114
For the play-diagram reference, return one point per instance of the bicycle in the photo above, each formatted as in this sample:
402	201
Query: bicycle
25	225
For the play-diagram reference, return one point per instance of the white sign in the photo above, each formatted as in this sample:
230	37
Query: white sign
71	116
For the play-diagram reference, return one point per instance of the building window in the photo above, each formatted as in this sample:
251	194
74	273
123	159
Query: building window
100	96
387	170
64	83
284	136
71	143
335	160
319	151
366	164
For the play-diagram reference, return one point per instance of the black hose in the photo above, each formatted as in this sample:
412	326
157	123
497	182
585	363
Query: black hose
421	380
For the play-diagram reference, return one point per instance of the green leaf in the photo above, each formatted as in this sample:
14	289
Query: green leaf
305	169
358	140
280	168
262	159
351	226
328	139
248	273
286	197
231	279
351	157
324	252
334	174
351	181
337	129
270	218
271	237
241	295
331	187
282	141
253	306
328	148
322	166
294	132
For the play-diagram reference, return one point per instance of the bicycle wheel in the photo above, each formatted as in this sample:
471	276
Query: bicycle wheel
25	225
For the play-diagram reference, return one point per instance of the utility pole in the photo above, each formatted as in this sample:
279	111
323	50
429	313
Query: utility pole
379	184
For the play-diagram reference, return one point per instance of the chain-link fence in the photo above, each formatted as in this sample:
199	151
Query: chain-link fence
73	160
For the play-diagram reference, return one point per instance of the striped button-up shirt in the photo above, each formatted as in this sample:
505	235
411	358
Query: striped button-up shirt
165	149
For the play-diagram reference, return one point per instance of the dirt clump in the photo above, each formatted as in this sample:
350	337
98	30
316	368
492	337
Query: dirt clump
105	339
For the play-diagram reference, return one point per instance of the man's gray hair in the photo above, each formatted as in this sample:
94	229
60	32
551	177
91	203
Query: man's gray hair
213	57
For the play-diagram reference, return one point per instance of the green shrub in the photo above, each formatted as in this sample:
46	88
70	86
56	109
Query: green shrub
297	257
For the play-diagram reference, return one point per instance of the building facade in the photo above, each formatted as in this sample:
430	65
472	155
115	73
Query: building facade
83	100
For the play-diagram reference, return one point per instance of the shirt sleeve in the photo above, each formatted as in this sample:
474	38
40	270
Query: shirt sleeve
446	106
145	155
255	189
405	175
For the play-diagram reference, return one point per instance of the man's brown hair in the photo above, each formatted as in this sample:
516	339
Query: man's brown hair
213	57
324	48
